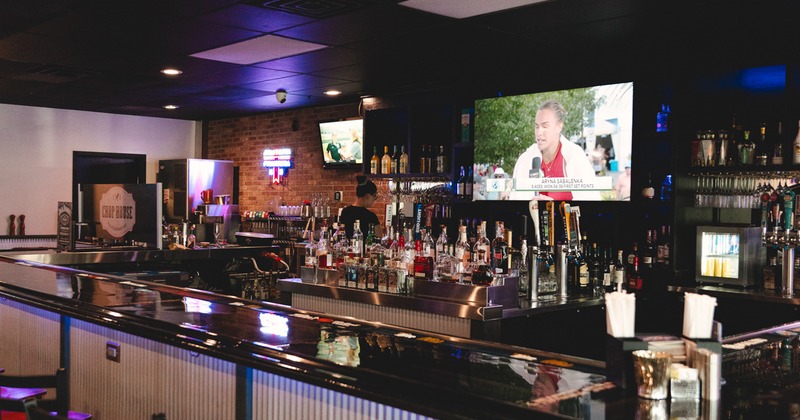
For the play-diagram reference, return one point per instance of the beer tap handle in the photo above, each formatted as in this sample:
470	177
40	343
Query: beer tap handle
788	210
551	220
533	207
764	212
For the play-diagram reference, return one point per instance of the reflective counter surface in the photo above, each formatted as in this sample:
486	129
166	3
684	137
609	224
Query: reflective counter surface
435	375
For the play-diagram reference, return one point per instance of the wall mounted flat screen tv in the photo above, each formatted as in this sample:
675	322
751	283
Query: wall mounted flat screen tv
342	142
570	144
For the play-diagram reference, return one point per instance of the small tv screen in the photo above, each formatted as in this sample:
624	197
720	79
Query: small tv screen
342	142
572	144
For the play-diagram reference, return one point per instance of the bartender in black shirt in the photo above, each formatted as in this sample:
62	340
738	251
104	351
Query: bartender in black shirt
366	194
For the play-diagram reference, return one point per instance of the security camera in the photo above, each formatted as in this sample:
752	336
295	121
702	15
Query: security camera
280	95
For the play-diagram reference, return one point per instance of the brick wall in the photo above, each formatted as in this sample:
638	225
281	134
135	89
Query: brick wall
243	139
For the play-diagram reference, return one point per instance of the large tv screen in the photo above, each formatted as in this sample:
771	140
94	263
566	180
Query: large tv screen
570	144
342	143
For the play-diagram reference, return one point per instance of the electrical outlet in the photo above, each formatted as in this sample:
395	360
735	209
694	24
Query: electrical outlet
338	195
112	351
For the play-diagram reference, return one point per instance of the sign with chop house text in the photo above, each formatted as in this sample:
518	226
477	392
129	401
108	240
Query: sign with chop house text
124	214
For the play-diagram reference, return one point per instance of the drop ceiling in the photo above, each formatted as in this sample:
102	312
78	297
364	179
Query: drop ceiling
106	56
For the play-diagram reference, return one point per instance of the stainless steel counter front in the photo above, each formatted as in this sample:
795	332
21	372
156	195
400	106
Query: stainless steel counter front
767	296
112	256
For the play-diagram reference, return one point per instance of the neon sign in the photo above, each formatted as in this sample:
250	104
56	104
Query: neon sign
277	162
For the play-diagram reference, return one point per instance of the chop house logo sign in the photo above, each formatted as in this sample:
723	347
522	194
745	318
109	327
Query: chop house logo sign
117	212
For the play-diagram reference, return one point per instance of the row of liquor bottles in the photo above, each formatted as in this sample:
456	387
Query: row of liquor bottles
387	263
595	270
740	147
431	160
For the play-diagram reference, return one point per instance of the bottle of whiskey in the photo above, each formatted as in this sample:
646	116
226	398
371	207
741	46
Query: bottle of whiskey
463	253
403	160
441	161
386	161
374	163
481	263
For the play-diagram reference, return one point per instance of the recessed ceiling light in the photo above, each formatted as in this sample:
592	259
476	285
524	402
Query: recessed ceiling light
171	107
256	50
171	72
332	92
465	8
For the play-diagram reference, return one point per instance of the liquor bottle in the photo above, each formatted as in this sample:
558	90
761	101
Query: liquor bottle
747	150
357	242
635	281
423	262
619	272
374	163
386	161
422	160
662	255
442	242
796	146
763	151
463	253
370	239
499	250
430	162
596	265
468	184
650	250
311	251
608	267
441	161
428	244
324	252
634	252
461	184
395	161
403	160
481	263
777	146
409	252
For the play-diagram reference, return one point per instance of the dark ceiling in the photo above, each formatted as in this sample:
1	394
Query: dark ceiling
105	56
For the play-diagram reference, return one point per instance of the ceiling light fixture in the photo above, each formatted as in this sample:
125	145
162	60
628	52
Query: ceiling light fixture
171	107
332	92
171	71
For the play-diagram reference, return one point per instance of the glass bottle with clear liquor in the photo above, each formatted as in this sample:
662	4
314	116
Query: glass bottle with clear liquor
403	168
481	263
521	265
409	252
374	163
356	242
442	242
499	250
386	161
311	250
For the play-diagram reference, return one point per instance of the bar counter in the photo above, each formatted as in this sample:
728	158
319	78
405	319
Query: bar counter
408	373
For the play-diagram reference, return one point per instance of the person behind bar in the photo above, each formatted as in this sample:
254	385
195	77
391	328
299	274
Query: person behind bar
366	194
558	157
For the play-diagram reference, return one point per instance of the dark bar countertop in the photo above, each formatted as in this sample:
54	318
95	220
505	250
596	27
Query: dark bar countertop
435	375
